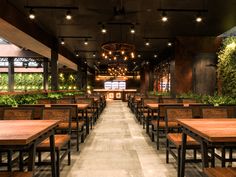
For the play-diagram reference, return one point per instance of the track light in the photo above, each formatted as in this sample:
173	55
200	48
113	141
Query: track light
198	18
86	42
94	55
169	44
31	14
164	17
147	43
68	15
62	42
103	29
132	30
139	56
155	56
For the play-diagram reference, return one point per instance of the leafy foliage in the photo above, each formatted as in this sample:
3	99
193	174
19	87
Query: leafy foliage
227	67
8	100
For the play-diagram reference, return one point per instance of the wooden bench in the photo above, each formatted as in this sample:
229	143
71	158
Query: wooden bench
16	174
220	172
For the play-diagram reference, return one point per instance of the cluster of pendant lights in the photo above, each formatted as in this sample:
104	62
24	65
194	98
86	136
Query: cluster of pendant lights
110	55
117	71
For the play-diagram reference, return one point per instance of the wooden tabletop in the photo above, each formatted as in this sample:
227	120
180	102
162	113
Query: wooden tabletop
82	106
153	105
157	105
22	132
213	130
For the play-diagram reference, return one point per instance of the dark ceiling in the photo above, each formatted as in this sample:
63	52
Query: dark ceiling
220	17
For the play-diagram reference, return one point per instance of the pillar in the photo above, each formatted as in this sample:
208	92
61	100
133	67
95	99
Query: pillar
11	74
54	70
45	74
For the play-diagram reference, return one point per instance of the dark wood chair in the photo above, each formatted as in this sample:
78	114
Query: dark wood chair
92	113
77	124
220	172
174	135
15	113
158	123
219	112
65	101
37	109
62	141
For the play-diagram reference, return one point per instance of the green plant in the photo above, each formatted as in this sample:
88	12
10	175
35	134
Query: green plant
8	100
55	95
227	67
28	98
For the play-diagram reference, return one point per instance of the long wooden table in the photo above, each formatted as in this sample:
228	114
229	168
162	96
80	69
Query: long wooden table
27	134
209	132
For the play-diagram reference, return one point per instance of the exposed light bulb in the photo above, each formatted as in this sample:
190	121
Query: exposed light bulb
31	14
164	17
68	15
62	42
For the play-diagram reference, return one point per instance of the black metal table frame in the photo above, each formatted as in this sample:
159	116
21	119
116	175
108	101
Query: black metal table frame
32	151
204	148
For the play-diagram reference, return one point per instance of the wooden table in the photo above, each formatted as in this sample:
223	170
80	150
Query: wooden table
83	108
209	132
27	134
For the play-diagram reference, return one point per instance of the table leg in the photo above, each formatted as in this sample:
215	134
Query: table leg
183	155
52	153
147	122
31	160
86	120
204	153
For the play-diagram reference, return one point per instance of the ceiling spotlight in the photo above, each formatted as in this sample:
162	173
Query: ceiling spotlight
114	58
132	30
132	54
164	17
125	58
103	54
110	52
122	52
139	56
77	55
155	56
169	44
198	18
62	42
147	43
94	55
86	42
68	15
31	14
104	30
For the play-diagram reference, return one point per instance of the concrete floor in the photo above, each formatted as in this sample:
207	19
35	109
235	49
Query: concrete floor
119	147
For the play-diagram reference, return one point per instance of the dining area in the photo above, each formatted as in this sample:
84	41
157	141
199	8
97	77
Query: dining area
45	133
190	132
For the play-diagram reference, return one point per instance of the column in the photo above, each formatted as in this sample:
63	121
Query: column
45	74
11	74
54	70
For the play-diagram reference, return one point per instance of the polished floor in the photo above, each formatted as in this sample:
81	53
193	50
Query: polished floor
119	147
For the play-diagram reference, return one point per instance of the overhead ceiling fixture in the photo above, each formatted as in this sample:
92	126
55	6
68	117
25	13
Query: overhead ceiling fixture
76	53
85	41
155	55
164	17
94	55
198	11
31	14
199	17
147	43
103	30
68	15
132	30
62	41
118	50
169	44
139	56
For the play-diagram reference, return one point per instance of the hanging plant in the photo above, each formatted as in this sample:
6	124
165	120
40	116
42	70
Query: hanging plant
227	67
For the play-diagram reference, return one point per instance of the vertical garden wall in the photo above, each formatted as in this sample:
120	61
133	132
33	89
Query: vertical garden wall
227	67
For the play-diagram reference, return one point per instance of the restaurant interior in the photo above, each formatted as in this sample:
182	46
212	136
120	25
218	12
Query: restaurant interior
118	88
